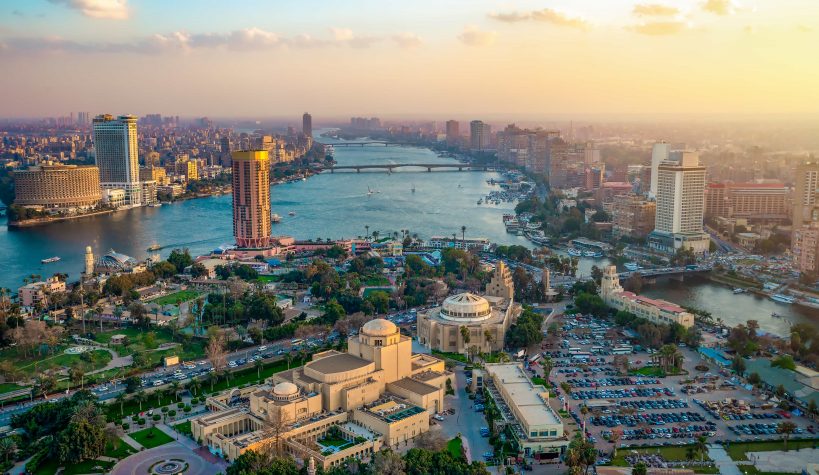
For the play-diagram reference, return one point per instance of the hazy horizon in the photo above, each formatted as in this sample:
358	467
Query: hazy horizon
531	60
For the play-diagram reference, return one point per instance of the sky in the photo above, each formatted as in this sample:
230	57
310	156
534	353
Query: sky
459	58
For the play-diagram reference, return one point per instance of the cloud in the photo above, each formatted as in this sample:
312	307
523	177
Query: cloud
407	40
546	15
654	9
473	36
718	7
804	29
246	39
111	9
658	28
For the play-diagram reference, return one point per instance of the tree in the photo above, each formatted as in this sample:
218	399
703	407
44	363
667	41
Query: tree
84	437
8	447
215	352
45	383
431	440
621	363
258	364
139	397
120	399
180	259
388	463
465	337
581	453
738	364
175	387
616	435
701	446
255	462
639	469
76	375
786	428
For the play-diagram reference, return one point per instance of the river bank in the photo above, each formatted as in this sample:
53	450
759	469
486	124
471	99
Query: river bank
28	223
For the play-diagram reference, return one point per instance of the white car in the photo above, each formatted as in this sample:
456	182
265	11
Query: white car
438	417
158	382
232	364
262	348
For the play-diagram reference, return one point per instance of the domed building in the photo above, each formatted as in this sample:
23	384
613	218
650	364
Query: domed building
377	393
486	319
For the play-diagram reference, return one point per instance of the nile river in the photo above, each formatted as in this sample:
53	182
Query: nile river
330	206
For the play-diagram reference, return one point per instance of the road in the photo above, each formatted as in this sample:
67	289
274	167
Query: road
465	421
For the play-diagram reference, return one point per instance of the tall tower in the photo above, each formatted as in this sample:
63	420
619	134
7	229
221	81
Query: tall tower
610	283
89	261
307	124
453	132
501	283
659	154
680	205
117	156
251	199
805	207
479	135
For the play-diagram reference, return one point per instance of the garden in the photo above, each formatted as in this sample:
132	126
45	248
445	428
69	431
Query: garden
151	437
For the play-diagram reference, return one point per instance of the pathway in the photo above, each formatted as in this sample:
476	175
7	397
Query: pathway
182	439
723	460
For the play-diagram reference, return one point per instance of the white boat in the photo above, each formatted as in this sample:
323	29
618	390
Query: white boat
740	290
291	213
575	252
275	218
50	260
369	190
156	205
413	187
632	266
782	298
329	151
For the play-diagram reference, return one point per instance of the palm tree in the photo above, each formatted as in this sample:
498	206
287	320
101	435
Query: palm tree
547	365
701	446
288	357
258	364
487	336
463	235
786	428
8	447
175	386
212	379
367	228
120	399
465	338
139	397
195	385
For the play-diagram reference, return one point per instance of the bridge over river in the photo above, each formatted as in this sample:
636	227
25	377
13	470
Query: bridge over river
429	167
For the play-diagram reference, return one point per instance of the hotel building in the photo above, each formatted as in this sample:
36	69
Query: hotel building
653	310
116	152
58	187
680	206
377	394
753	201
251	199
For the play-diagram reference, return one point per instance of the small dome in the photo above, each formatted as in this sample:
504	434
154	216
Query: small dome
379	327
466	306
285	389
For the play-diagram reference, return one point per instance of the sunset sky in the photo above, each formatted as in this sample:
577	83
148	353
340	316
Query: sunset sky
437	58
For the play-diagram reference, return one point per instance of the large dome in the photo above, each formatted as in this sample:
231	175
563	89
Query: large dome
379	327
285	389
467	307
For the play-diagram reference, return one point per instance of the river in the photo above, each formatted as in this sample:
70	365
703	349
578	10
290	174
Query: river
334	206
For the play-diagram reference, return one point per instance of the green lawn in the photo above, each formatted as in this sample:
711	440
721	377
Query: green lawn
151	437
332	441
370	290
184	428
32	365
452	356
737	450
670	453
456	447
264	279
541	381
9	387
376	281
181	296
654	371
51	466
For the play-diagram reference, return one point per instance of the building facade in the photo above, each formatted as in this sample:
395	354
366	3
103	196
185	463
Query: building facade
806	185
480	135
805	248
307	124
659	154
251	199
60	187
632	216
453	132
486	320
753	201
117	155
501	283
680	206
376	394
653	310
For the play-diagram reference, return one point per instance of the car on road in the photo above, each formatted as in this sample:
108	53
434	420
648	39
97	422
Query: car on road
261	349
158	382
488	455
438	417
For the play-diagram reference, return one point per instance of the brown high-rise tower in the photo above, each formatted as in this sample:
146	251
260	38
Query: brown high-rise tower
251	199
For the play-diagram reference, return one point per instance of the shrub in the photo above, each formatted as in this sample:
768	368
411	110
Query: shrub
194	401
172	413
180	405
126	426
157	417
142	421
187	409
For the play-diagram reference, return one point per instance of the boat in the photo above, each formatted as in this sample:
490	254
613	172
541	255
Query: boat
575	252
776	315
592	254
156	205
782	298
740	290
291	213
369	190
303	178
329	152
154	247
480	201
632	266
50	260
413	187
275	218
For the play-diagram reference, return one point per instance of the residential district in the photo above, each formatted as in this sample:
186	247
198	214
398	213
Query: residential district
400	354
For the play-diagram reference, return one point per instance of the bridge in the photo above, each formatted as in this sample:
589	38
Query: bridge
362	144
392	166
666	272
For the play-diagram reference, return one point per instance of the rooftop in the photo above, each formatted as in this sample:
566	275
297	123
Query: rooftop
524	394
337	363
414	386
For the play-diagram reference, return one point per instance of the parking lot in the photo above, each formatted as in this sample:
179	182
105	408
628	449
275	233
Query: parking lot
648	410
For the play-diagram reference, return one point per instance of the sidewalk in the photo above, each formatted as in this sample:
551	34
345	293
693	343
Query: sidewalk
722	460
182	439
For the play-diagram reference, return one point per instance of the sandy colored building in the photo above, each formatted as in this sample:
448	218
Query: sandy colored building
56	186
501	283
251	199
653	310
376	394
486	318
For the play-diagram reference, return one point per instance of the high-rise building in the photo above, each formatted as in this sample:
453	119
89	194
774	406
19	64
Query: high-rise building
805	204
680	205
453	132
632	216
307	124
805	248
89	261
57	187
115	142
480	135
83	118
251	199
659	154
754	201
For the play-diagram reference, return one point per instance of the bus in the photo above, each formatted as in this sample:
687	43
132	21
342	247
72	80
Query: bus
575	350
622	350
582	356
597	349
535	358
296	342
